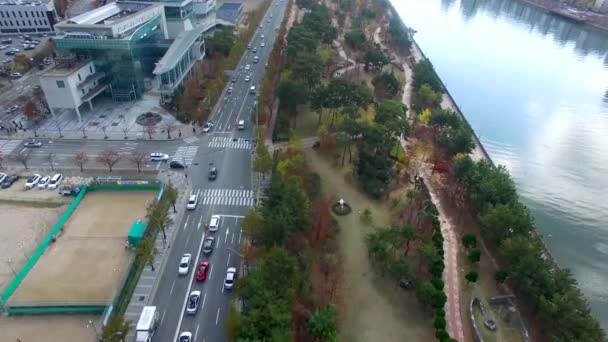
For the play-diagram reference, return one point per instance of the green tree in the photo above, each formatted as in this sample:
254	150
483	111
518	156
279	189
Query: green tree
263	161
471	277
233	323
501	276
407	234
386	85
322	324
424	73
392	114
308	67
116	330
291	95
355	39
426	97
398	32
170	193
458	140
349	128
252	224
376	59
474	256
501	221
469	240
300	40
374	166
221	42
146	252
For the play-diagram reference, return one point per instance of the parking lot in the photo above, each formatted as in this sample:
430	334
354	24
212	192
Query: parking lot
16	43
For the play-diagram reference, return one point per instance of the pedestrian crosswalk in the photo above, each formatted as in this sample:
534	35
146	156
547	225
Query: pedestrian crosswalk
227	142
7	146
185	154
191	139
231	197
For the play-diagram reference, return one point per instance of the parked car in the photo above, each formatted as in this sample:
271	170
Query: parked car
208	244
33	143
2	47
193	300
176	165
185	336
230	278
184	264
2	177
201	270
192	202
32	181
16	75
44	182
55	181
10	53
9	181
208	126
212	173
214	223
69	190
156	156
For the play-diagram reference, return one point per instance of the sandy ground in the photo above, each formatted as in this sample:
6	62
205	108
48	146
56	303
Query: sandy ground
372	308
23	228
48	328
88	262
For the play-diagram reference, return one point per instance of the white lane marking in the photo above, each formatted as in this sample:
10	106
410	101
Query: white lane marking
226	238
158	166
186	223
170	292
217	317
232	239
204	298
163	318
196	332
210	273
181	315
228	261
235	216
241	231
199	223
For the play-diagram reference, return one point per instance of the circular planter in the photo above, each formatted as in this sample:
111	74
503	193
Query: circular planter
341	210
149	119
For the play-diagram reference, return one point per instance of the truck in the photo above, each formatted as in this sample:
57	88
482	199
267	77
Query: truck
146	326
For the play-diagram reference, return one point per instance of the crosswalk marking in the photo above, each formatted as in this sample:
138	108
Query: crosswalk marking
7	146
227	142
191	139
185	154
227	197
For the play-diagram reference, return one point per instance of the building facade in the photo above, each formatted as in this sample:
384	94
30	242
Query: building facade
27	17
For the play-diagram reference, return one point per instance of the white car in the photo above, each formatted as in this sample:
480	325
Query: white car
32	181
16	75
247	67
158	157
262	44
2	47
252	90
230	278
214	223
2	177
44	181
55	181
241	125
230	90
262	37
186	336
208	126
193	300
184	264
192	202
247	78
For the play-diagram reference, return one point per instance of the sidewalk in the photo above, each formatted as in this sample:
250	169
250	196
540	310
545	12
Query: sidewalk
146	286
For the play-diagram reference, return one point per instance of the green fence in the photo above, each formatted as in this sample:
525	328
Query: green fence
56	310
41	248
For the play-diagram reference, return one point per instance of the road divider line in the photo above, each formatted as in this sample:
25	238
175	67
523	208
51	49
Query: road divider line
186	223
204	299
172	285
217	316
210	273
199	223
228	261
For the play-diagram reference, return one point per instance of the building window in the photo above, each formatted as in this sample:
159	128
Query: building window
23	21
79	78
83	92
27	16
29	22
91	68
2	14
14	15
20	14
60	84
35	22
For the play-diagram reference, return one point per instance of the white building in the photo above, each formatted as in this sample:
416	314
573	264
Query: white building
26	16
71	83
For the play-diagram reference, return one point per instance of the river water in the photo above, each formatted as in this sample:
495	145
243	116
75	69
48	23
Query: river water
534	86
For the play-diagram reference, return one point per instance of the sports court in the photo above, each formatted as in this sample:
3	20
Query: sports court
88	262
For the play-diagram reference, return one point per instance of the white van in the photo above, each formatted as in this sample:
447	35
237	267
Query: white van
241	124
55	181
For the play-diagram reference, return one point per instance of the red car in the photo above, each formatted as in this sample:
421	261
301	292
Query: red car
201	271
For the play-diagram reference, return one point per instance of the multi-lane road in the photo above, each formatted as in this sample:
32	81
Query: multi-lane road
230	196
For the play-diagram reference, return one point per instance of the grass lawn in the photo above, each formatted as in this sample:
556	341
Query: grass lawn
371	308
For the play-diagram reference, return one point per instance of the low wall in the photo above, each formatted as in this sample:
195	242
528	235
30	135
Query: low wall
56	310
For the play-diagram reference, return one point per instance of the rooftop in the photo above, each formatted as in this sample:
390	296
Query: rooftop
65	67
108	14
23	2
180	46
230	12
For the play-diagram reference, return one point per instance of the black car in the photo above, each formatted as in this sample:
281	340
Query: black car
9	181
212	173
208	245
10	53
176	165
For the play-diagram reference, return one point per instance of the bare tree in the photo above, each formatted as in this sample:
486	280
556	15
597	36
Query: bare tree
81	158
150	129
23	157
138	158
125	130
50	157
84	132
104	129
109	158
168	125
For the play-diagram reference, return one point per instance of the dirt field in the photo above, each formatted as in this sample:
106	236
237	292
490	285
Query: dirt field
23	228
88	262
48	328
372	308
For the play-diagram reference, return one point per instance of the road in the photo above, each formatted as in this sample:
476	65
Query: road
230	196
